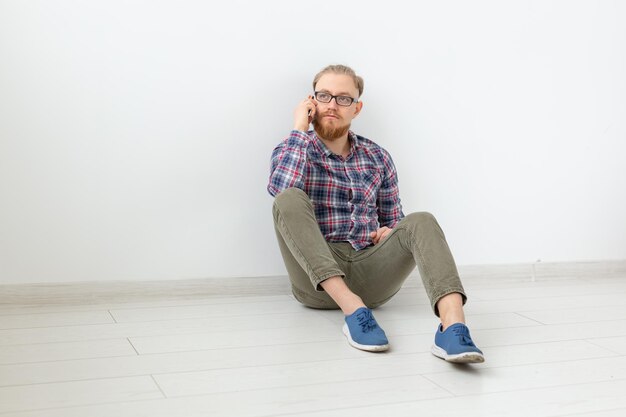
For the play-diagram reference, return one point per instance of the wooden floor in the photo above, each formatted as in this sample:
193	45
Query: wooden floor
555	345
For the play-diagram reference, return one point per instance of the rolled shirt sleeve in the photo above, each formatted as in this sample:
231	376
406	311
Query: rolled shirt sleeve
288	163
389	205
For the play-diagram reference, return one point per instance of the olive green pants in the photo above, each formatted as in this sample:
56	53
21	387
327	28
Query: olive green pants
375	273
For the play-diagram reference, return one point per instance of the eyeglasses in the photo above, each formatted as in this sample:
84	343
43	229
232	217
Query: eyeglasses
340	100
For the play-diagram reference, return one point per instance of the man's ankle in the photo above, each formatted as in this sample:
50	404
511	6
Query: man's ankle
447	323
347	301
350	307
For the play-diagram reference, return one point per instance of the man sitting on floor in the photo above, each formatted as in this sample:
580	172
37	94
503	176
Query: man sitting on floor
340	227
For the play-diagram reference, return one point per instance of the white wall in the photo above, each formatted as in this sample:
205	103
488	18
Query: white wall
135	135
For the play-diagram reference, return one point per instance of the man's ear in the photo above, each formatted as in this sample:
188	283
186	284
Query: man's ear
358	108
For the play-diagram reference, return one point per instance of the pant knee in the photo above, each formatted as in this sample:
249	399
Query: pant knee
288	199
421	219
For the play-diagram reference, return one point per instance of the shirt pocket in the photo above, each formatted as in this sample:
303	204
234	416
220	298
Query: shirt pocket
370	184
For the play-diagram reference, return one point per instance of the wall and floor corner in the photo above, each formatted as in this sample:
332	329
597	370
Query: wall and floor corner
135	136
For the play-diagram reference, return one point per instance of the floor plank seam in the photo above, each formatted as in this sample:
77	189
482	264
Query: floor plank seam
158	386
543	387
64	360
68	381
112	316
208	303
485	365
425	376
132	345
373	378
33	410
603	347
530	318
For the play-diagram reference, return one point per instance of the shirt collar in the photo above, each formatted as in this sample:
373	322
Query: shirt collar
352	137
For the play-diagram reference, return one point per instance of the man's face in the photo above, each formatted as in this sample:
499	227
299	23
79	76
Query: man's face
331	120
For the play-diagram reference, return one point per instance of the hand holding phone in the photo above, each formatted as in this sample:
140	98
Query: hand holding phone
304	114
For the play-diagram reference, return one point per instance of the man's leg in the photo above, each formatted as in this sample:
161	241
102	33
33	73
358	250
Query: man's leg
378	272
347	301
305	250
308	259
315	272
450	309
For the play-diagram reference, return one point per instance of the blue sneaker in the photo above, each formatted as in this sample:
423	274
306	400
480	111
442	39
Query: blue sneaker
456	345
363	332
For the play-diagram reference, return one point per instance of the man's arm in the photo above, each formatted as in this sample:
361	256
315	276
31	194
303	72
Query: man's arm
389	206
288	163
388	202
289	158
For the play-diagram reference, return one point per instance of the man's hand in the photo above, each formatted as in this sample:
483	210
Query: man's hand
380	234
304	113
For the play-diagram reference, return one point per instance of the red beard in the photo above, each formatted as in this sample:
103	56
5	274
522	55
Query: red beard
329	131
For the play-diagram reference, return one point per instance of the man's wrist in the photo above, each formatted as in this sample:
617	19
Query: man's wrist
301	128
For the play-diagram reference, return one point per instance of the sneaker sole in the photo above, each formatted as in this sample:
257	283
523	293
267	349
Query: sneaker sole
467	357
368	348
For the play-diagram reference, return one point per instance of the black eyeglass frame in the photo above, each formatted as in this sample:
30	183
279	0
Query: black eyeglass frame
353	100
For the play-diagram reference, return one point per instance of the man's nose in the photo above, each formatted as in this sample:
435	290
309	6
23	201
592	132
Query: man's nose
333	103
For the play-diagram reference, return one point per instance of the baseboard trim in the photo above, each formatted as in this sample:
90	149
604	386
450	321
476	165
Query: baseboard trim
128	291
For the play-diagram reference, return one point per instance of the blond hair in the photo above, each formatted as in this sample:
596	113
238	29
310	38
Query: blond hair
340	69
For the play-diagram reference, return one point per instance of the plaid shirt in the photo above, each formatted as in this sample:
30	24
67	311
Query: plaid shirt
352	196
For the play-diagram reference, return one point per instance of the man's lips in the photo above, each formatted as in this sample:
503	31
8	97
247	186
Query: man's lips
332	116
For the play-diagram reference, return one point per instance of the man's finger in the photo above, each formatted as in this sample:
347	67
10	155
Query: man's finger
380	234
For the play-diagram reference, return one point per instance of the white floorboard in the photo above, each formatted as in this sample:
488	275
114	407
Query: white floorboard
44	352
554	346
51	319
68	394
